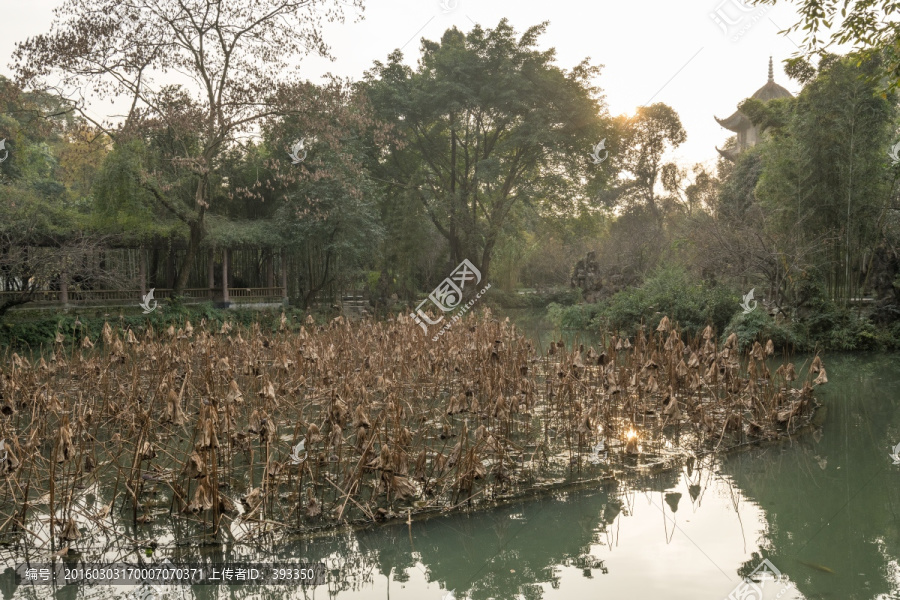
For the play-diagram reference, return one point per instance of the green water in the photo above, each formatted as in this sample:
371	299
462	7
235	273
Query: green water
823	508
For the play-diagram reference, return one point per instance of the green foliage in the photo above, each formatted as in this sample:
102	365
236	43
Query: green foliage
121	203
669	291
25	332
759	326
577	317
489	122
372	279
647	136
824	183
862	24
673	293
826	324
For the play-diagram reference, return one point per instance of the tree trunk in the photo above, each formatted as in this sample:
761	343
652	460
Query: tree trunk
486	262
64	288
196	229
486	255
190	256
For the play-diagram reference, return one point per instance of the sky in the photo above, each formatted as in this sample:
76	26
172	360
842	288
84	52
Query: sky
701	57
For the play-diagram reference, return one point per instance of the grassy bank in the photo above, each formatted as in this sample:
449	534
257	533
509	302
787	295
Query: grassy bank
818	324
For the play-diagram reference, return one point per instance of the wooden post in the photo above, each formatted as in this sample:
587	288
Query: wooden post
142	271
64	288
284	288
211	273
270	268
225	275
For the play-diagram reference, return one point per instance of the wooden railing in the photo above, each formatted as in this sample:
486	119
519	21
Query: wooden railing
272	294
119	297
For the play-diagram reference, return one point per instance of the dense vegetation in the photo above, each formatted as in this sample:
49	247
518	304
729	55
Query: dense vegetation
481	152
807	218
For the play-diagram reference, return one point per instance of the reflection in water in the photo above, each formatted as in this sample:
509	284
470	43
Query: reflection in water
831	499
823	509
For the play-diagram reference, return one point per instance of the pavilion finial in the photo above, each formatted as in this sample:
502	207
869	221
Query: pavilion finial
771	72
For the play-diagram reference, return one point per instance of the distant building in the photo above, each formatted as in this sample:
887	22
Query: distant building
747	133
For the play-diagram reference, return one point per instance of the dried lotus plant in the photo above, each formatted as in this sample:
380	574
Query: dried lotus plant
317	425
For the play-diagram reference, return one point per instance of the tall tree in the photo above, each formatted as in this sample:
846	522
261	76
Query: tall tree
488	122
645	139
827	175
236	63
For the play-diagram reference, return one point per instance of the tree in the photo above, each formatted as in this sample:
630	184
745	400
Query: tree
804	209
236	61
39	250
863	24
645	139
828	176
44	183
690	193
487	123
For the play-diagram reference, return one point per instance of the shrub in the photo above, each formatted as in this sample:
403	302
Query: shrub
670	292
759	326
579	316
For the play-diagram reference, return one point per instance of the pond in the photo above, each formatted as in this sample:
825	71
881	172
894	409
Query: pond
823	509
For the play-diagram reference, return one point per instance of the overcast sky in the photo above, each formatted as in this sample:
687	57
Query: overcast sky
652	50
